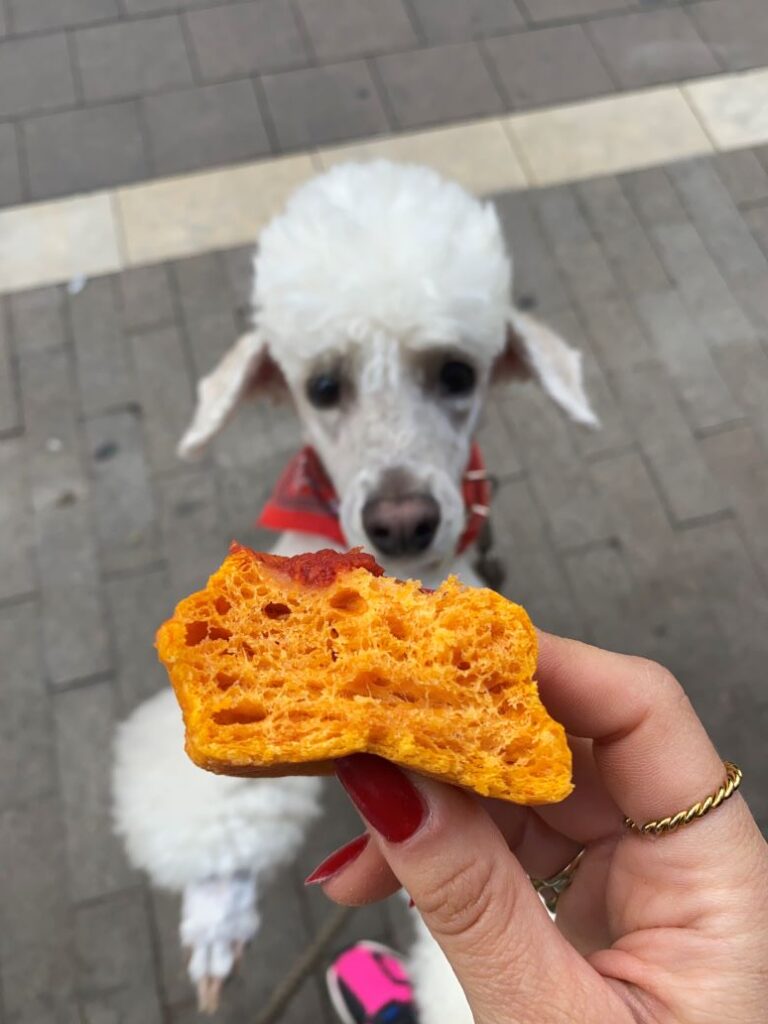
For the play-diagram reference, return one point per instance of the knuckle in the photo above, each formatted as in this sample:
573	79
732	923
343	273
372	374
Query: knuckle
463	900
660	681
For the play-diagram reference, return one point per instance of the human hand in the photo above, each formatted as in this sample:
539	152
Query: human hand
659	930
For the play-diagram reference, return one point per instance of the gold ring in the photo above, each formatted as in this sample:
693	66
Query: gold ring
660	826
551	889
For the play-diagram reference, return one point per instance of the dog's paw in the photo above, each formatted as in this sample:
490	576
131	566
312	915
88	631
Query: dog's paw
218	918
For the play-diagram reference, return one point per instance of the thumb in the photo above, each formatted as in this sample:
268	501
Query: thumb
476	900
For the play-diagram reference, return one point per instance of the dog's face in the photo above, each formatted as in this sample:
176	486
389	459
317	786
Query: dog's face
392	420
383	296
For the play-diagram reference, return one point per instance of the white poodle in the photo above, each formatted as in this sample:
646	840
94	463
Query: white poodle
382	299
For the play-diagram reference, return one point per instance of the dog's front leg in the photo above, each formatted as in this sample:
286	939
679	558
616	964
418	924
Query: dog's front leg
218	918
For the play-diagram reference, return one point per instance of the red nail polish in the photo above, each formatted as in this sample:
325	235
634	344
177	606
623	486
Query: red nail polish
411	903
383	794
337	860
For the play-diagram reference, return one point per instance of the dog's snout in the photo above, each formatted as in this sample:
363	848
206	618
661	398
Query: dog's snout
401	526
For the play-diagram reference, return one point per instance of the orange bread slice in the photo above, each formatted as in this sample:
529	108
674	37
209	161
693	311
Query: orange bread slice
282	664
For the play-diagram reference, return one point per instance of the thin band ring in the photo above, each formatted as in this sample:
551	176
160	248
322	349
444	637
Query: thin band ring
661	826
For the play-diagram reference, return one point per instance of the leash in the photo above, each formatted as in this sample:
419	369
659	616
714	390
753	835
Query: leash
287	988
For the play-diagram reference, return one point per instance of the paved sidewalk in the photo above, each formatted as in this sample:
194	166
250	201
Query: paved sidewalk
97	93
647	536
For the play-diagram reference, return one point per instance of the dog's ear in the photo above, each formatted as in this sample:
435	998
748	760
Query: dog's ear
535	350
247	366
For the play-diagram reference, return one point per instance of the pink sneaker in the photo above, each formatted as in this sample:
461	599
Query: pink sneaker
368	984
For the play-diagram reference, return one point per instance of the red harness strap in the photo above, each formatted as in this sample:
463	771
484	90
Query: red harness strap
304	499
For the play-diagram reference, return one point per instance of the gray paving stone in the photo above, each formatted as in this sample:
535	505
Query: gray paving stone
622	237
737	460
246	38
171	967
146	298
35	75
665	603
85	724
156	6
26	764
747	703
744	175
73	628
688	361
720	566
616	336
495	438
652	410
535	576
727	236
744	366
36	956
538	283
634	506
244	489
102	360
580	259
10	414
612	433
74	634
121	495
33	15
708	298
327	104
550	65
440	84
560	484
455	21
81	150
757	219
17	576
605	596
263	432
238	266
718	220
210	336
137	605
650	47
132	58
549	10
186	128
203	286
165	392
10	175
191	526
736	30
341	29
37	321
114	948
652	197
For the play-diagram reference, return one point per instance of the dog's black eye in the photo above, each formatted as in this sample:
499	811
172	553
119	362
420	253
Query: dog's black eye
324	390
456	378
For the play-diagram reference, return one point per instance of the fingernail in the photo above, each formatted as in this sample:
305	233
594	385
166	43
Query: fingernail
337	860
411	903
383	794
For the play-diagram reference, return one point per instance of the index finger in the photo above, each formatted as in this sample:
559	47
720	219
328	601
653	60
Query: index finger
652	750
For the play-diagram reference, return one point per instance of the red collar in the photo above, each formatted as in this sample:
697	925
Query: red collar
304	499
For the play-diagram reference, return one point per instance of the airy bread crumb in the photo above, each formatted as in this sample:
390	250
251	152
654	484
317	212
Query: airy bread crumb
281	665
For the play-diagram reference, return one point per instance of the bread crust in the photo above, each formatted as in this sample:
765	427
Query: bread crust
281	665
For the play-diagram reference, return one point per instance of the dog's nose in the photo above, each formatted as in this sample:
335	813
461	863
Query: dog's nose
401	526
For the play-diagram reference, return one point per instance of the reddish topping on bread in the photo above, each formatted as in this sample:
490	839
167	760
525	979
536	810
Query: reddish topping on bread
282	664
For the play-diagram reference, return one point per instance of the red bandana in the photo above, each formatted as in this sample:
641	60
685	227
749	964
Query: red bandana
304	499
